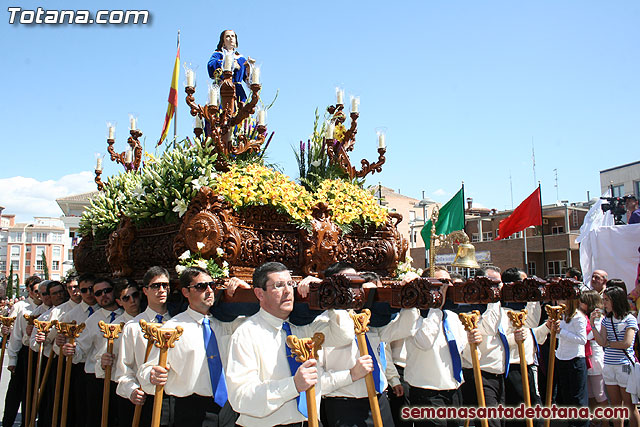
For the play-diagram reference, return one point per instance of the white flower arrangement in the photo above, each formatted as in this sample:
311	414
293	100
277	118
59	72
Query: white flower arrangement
405	267
212	265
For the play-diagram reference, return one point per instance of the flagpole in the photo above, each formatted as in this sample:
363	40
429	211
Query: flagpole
526	259
544	252
463	215
175	109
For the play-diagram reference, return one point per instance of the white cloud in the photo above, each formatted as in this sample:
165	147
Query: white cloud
439	192
28	197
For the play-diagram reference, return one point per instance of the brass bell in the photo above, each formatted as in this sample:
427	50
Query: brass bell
466	256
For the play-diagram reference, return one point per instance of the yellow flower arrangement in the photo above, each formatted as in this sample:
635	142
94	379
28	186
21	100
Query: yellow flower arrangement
350	203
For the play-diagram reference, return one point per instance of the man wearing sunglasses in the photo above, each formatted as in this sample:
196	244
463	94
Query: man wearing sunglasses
195	366
18	352
266	385
88	345
56	295
127	295
132	345
77	409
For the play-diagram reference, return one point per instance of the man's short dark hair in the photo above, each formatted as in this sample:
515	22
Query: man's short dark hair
189	273
154	272
260	274
87	277
337	267
370	276
108	280
124	284
32	280
574	273
53	283
70	279
510	275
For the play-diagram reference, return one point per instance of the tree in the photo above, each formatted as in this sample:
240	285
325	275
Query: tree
45	267
9	291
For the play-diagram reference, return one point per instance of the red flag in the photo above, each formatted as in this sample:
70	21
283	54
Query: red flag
527	213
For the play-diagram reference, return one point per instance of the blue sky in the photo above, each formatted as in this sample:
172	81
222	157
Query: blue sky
462	87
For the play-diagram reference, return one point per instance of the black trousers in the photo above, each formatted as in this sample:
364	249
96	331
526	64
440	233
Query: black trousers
514	395
16	390
46	402
436	399
397	403
166	416
192	411
352	412
78	403
93	390
493	387
571	378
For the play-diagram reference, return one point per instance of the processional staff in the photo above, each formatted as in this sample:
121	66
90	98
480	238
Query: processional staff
71	331
360	323
470	322
30	319
164	339
554	313
305	349
8	322
110	332
518	319
146	328
41	326
47	369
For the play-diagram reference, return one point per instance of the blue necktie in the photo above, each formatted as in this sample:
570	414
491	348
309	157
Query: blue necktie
216	373
453	348
505	343
90	310
377	374
160	317
113	317
293	366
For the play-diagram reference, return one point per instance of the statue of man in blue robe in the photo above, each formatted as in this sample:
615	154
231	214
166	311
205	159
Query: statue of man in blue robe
241	66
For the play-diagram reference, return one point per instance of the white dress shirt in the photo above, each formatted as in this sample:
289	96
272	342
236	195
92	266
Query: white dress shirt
56	313
491	351
541	332
572	337
91	340
19	331
132	347
259	380
187	361
47	345
429	362
123	318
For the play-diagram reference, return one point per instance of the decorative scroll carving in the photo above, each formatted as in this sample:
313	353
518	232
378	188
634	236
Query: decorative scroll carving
531	289
7	321
361	321
469	320
305	348
165	337
340	291
476	290
69	330
563	289
517	318
117	250
42	325
110	331
422	292
90	256
323	245
555	312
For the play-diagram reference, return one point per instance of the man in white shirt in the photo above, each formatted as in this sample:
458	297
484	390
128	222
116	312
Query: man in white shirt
265	386
195	371
127	296
132	346
77	410
18	352
88	345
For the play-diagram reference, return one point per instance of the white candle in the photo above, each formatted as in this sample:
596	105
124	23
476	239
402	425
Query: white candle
99	164
128	157
132	123
329	129
262	118
339	96
190	77
255	75
213	96
112	132
227	62
381	140
355	101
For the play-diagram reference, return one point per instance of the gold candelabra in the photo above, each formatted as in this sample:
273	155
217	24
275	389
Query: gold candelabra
132	164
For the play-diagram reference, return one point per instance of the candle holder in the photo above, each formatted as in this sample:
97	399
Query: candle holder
342	142
136	148
223	119
98	180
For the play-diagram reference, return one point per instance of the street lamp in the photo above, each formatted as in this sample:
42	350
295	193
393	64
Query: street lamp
423	204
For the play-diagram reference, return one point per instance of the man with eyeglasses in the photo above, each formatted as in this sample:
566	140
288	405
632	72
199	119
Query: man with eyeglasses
55	295
88	345
77	410
195	366
18	352
265	384
73	299
127	296
132	345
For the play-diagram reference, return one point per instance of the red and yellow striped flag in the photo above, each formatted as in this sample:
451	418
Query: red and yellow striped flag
173	98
